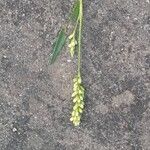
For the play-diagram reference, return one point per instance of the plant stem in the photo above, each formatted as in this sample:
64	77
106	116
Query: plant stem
80	34
74	31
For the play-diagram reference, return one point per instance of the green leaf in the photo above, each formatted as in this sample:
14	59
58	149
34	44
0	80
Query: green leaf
58	45
75	11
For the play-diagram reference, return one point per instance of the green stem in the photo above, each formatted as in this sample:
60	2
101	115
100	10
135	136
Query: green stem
80	35
74	31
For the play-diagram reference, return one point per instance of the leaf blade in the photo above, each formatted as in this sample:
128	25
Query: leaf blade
58	46
75	11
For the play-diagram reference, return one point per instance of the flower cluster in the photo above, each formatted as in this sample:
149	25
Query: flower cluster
78	96
72	43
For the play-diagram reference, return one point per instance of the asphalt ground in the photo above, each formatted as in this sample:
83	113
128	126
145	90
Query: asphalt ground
35	103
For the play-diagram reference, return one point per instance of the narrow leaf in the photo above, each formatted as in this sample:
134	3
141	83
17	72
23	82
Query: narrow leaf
75	11
58	46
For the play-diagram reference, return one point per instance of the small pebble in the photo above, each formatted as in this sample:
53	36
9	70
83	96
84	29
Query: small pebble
68	60
14	129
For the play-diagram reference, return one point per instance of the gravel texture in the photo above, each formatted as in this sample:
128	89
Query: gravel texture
35	101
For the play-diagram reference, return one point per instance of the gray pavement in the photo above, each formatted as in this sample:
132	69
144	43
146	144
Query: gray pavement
35	101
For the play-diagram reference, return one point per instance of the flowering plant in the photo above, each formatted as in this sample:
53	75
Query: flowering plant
75	37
